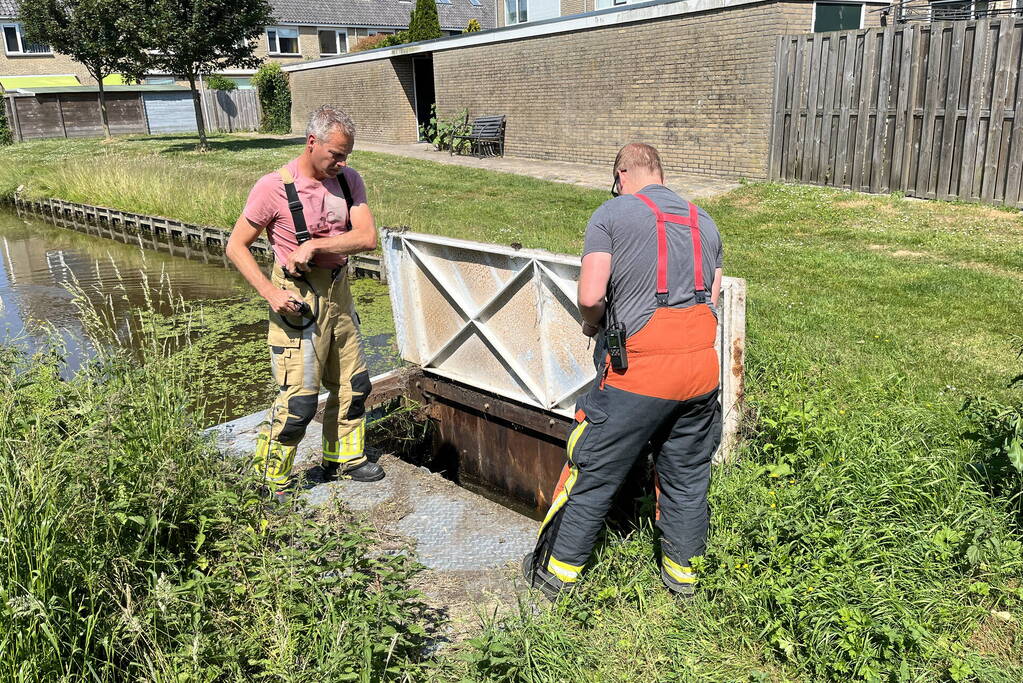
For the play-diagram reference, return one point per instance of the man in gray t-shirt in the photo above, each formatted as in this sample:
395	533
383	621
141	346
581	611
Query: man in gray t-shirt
651	276
626	229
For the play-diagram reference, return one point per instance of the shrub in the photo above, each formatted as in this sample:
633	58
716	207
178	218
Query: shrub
218	82
439	131
473	26
275	98
380	40
424	24
6	135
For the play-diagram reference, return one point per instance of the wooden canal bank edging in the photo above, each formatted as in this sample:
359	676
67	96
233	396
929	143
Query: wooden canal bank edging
80	217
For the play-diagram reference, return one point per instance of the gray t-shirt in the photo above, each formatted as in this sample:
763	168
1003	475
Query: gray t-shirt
627	229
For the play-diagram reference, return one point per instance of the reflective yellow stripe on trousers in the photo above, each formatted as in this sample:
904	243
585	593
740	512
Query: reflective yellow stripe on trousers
677	571
562	498
350	447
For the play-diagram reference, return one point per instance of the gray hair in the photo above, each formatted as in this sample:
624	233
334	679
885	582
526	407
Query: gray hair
326	118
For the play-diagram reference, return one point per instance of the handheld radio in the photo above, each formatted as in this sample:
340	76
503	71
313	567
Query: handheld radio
614	338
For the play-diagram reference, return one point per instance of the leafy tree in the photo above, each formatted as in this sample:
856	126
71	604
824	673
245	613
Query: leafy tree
274	98
199	37
473	26
104	35
424	24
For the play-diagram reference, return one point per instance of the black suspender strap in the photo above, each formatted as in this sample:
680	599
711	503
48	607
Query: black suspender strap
347	192
295	206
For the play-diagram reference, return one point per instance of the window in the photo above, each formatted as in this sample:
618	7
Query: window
15	43
282	41
515	12
333	42
475	3
837	16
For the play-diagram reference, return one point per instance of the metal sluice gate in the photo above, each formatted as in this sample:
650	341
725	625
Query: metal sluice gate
493	337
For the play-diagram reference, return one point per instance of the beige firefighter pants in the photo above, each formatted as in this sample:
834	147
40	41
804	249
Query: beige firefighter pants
328	353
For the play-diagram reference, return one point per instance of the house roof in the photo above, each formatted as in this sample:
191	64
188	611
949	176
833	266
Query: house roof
376	13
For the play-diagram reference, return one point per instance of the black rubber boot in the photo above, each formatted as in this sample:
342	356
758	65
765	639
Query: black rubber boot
367	471
685	591
543	580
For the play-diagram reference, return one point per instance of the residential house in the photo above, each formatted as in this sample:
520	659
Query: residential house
307	29
24	63
304	29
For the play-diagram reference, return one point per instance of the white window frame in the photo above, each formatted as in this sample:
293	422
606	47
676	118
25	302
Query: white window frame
518	4
863	12
21	42
274	50
338	41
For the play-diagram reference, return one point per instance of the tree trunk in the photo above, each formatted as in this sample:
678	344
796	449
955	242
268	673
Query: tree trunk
199	123
99	75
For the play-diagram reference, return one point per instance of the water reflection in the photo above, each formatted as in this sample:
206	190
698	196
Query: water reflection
40	260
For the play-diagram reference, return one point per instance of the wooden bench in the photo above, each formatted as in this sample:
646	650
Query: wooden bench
486	137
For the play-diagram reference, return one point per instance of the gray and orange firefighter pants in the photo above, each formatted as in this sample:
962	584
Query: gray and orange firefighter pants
667	397
328	353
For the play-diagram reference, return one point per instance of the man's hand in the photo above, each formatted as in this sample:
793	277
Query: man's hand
298	260
590	330
283	302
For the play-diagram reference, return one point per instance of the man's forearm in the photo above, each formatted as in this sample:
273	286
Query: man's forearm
246	264
353	242
593	315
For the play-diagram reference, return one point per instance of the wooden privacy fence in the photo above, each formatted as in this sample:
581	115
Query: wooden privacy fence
75	112
230	111
927	109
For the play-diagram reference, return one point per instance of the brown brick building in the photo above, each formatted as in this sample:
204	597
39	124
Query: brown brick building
693	77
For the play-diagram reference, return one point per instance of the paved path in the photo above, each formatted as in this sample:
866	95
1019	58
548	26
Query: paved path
586	175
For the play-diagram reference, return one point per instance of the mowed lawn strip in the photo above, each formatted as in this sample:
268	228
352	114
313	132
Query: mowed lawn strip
163	176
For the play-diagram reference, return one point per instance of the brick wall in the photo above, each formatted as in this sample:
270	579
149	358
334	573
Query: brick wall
378	95
41	65
697	86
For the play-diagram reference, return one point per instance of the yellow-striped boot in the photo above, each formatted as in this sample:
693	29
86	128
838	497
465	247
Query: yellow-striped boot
346	458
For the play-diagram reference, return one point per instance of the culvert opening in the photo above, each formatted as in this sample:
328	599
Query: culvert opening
498	449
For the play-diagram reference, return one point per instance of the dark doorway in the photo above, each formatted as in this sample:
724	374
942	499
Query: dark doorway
422	73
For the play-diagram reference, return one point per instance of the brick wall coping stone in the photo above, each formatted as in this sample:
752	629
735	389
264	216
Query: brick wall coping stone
656	9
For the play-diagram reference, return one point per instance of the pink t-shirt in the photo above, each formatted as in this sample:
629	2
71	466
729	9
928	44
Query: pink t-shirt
323	203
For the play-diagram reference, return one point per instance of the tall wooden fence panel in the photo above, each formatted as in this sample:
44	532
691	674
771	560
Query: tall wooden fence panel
928	109
230	111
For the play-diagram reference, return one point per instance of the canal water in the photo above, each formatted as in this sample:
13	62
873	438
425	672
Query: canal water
225	319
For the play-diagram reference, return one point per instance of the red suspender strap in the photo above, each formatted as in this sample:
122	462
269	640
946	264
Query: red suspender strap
662	251
694	230
693	220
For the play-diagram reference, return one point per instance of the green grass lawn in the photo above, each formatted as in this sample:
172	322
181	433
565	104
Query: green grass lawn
852	537
164	176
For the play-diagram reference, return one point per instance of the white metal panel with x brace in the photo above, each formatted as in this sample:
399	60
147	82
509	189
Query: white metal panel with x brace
505	320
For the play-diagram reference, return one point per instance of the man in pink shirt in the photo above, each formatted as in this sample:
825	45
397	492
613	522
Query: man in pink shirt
315	213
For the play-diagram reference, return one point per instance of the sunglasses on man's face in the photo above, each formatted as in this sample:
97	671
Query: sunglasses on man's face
615	189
